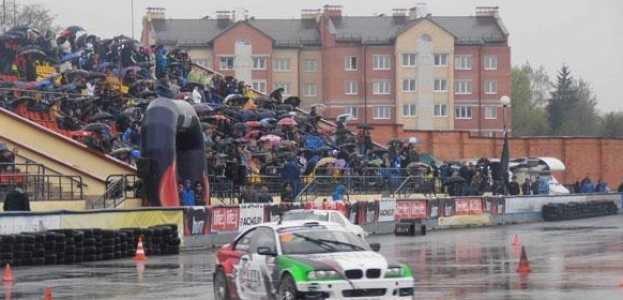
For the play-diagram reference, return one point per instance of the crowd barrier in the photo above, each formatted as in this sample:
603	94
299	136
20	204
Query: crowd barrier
201	226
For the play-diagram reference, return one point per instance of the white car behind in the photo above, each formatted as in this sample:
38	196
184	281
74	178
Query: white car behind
332	216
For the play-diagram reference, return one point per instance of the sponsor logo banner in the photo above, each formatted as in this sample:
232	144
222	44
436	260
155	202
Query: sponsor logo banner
196	220
225	219
121	219
411	209
387	210
250	214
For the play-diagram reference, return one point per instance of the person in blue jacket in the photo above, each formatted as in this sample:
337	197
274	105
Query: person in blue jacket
543	187
339	193
187	194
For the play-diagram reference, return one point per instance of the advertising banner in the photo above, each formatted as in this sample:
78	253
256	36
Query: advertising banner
387	210
34	223
475	206
370	212
120	219
196	220
225	219
461	207
411	209
250	214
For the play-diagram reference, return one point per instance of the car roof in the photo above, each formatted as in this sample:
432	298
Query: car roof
299	223
311	210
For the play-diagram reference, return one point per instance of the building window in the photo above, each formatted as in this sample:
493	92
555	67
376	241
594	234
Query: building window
441	85
351	87
409	85
408	110
352	110
259	62
491	62
382	112
441	60
309	89
259	85
286	86
463	112
462	86
350	63
409	60
282	64
491	112
381	62
202	62
226	62
463	62
441	110
491	87
309	65
381	87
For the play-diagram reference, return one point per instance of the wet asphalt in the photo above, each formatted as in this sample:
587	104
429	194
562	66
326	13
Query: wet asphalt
581	259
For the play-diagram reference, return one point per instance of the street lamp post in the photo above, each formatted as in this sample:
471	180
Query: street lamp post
505	101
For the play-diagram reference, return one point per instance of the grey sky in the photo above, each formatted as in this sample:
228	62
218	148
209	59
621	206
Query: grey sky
586	35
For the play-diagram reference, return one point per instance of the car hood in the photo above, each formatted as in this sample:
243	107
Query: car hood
341	261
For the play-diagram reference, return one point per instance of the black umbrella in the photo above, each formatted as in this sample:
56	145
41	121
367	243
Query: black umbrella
101	116
293	100
74	29
32	50
96	75
96	127
202	108
453	179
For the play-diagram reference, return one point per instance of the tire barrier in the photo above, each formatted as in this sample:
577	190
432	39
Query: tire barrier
71	246
578	210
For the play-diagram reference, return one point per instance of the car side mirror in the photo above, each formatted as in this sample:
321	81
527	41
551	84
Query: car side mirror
265	251
376	247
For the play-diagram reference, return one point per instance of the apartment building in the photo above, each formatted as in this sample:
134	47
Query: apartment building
407	70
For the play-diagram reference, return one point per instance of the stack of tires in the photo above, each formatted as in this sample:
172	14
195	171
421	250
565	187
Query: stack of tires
70	246
578	210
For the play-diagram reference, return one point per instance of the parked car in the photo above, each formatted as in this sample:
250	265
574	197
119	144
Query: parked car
306	260
333	216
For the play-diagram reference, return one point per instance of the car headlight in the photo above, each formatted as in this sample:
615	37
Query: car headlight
322	275
394	272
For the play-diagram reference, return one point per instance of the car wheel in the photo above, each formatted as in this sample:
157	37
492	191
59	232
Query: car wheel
221	289
287	288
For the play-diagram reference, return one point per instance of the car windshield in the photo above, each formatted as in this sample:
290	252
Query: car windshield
306	215
311	241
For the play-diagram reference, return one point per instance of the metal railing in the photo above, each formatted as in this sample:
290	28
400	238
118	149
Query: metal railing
41	187
27	167
119	187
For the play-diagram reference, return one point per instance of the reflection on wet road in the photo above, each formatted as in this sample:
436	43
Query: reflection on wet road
570	260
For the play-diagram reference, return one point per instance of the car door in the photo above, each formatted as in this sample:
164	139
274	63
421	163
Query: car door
240	272
255	275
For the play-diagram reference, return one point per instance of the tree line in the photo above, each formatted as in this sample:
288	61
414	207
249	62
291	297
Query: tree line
565	106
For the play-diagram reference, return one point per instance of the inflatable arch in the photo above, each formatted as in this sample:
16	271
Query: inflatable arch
172	150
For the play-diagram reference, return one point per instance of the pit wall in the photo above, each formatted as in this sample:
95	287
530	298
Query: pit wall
206	227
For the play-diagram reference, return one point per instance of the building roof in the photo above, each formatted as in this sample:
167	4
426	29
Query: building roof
467	30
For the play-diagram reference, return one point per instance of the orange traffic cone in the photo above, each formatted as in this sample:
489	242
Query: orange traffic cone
48	294
8	290
140	252
516	241
8	275
524	265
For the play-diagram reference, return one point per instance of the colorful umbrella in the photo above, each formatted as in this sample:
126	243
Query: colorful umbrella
287	121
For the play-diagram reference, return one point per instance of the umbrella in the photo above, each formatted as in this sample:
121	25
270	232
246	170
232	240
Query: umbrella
79	134
235	99
189	87
326	161
121	151
36	51
347	145
453	179
202	108
74	29
321	105
287	121
417	164
71	56
96	127
253	123
346	116
252	133
205	126
96	75
412	140
101	116
273	139
293	100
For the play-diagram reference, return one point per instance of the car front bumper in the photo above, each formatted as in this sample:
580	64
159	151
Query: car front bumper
379	289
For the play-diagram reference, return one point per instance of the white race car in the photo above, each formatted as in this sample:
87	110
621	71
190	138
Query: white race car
307	260
333	216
